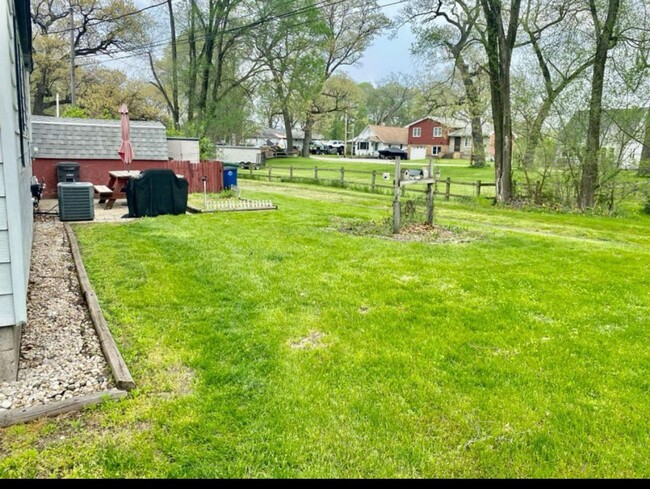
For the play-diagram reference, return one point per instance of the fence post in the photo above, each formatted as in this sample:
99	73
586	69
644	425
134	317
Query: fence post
396	192
270	168
447	188
291	172
478	188
430	193
374	179
250	171
315	173
342	175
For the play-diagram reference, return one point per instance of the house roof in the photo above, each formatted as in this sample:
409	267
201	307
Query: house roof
24	23
387	134
445	121
486	129
628	120
96	139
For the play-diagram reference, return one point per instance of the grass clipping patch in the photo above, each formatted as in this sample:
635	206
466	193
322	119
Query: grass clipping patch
409	232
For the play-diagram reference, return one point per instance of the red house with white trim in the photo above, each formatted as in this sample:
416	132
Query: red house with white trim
444	137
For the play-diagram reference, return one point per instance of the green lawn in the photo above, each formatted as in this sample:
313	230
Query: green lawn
359	172
271	345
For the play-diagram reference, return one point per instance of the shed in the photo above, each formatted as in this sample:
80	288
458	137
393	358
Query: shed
93	143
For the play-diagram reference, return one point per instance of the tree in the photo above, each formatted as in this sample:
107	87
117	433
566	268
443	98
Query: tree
351	26
605	40
499	42
389	104
100	27
457	37
288	50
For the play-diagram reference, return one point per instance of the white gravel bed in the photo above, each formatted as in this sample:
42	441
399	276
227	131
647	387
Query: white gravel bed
60	356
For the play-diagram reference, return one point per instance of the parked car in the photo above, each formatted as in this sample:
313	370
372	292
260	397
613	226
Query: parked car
339	145
318	148
393	152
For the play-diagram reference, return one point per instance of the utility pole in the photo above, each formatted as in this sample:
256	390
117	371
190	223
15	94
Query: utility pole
345	135
72	80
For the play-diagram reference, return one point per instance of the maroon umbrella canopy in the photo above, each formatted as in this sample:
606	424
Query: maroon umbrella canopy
126	150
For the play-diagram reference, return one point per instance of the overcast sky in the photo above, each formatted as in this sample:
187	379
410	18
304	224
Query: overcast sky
386	55
383	57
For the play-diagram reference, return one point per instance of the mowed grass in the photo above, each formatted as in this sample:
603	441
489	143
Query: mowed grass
270	345
360	172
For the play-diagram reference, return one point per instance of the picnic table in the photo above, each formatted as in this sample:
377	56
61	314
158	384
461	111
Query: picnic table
116	186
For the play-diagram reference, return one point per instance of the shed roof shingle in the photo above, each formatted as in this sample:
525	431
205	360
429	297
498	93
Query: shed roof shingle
96	139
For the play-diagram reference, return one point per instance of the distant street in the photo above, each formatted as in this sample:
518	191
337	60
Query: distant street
375	161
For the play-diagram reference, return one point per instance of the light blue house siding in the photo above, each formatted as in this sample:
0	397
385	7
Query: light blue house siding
15	175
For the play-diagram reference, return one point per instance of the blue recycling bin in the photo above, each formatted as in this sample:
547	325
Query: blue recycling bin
229	176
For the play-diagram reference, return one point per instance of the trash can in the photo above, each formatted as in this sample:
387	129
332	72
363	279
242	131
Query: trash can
67	172
229	176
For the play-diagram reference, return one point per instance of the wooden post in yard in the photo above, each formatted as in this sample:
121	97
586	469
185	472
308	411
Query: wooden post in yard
270	168
396	189
250	171
374	180
478	188
291	172
448	188
430	193
315	173
342	175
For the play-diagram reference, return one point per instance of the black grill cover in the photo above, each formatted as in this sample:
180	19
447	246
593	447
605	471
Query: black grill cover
156	192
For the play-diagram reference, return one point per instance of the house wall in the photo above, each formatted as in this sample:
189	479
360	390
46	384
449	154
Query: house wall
93	171
15	195
426	137
373	146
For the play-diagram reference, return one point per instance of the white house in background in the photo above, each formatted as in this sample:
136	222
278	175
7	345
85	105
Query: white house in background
299	138
16	211
624	134
374	138
278	137
265	137
460	141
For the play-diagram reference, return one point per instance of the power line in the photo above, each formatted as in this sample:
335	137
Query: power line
111	19
226	31
259	22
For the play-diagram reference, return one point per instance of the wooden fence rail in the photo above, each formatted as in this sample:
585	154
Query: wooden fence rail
338	176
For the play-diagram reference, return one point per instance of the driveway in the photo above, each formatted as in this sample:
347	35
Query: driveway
376	161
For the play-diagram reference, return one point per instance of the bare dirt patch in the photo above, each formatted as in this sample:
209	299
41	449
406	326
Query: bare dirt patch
309	342
409	232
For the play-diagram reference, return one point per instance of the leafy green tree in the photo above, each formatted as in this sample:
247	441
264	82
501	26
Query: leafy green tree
455	39
288	49
100	27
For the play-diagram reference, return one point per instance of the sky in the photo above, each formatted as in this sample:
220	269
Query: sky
386	55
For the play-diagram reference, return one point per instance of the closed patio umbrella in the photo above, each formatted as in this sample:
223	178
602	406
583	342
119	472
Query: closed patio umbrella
126	150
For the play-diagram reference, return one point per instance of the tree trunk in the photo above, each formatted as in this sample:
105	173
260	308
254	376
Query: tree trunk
191	85
309	124
604	44
478	146
286	117
206	65
175	106
535	133
499	46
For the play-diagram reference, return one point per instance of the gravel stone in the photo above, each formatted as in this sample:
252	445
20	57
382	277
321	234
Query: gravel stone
60	355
